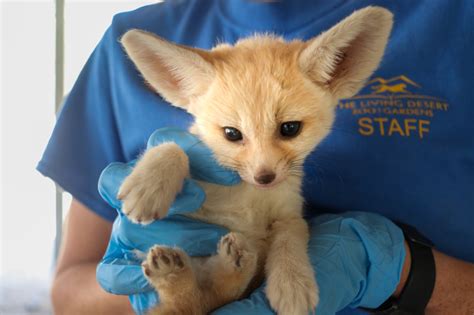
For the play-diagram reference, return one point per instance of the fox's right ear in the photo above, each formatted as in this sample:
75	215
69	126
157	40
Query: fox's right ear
344	57
177	73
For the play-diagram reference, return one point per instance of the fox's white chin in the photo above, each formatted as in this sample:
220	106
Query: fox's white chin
266	186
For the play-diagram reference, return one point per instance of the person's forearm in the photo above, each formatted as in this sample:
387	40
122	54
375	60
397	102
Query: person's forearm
76	291
454	288
453	293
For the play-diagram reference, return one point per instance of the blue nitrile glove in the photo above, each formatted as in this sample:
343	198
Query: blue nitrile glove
358	258
120	271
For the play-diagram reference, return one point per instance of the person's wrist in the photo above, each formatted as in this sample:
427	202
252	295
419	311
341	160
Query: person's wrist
364	248
418	276
405	271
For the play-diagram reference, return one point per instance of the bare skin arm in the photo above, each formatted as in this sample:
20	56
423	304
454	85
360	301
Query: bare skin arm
75	289
454	288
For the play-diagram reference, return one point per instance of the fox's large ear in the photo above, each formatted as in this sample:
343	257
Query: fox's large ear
177	73
343	58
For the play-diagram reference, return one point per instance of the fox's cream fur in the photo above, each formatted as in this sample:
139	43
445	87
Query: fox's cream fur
253	86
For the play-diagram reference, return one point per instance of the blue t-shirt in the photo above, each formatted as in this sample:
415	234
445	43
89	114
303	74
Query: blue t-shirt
403	147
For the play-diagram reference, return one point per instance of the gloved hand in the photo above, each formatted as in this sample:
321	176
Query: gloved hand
358	259
120	272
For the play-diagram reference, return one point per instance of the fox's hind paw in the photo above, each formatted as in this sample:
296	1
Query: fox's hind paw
234	249
163	261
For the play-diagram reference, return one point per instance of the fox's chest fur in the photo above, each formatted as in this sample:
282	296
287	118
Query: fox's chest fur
248	210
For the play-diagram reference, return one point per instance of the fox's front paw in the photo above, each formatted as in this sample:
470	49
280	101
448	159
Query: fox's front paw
292	293
148	192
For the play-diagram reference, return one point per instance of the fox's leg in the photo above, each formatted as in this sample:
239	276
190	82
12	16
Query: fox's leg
229	272
170	272
291	286
148	192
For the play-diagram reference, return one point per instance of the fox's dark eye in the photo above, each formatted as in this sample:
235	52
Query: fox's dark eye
232	134
290	129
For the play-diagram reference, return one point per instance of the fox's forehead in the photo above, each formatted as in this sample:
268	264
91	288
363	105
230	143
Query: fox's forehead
258	85
259	55
259	103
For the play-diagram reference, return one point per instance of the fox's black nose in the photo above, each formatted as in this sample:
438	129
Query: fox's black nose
264	178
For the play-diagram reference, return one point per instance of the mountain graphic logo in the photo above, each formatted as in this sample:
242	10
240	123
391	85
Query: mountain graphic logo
396	85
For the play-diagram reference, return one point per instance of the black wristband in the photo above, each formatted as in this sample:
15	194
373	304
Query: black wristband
421	279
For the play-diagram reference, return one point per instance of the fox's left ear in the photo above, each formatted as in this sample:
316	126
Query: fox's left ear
178	73
344	57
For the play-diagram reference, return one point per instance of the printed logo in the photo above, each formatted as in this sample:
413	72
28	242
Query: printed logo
393	107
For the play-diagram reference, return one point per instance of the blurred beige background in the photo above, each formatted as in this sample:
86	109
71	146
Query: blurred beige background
27	90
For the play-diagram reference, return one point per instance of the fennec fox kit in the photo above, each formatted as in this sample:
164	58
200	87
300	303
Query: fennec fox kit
261	105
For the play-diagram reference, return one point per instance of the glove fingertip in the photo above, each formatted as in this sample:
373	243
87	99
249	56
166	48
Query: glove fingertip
169	134
205	167
122	279
189	199
232	179
110	181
